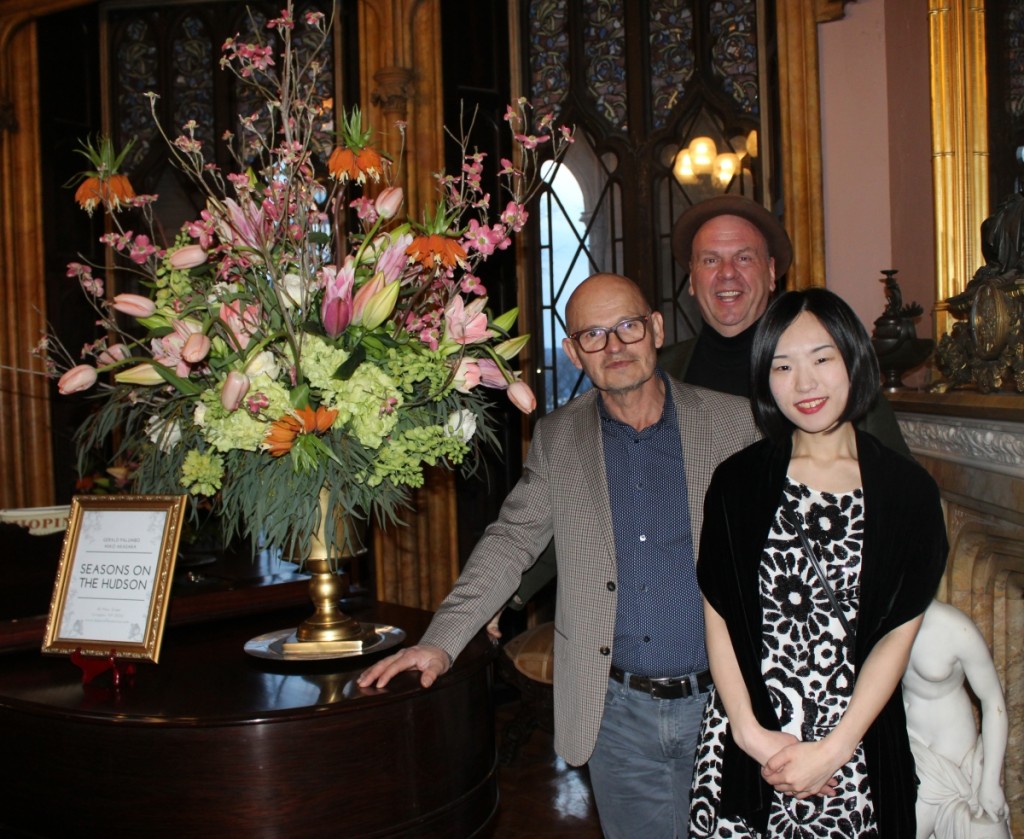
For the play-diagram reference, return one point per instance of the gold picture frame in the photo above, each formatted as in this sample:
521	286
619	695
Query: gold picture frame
114	576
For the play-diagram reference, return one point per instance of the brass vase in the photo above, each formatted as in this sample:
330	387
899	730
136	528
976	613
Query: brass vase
329	629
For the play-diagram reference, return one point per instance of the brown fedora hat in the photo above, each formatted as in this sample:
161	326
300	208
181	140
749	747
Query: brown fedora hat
692	219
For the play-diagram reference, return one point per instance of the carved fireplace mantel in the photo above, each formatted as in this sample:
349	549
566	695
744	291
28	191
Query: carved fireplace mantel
973	445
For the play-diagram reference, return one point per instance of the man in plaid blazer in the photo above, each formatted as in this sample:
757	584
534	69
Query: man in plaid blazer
604	477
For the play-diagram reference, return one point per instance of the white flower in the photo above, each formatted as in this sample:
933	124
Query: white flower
292	290
462	424
163	433
263	364
199	415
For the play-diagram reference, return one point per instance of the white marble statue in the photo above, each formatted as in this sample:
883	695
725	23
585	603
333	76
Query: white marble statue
960	793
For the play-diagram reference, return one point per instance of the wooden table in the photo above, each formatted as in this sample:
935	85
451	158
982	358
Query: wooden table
213	742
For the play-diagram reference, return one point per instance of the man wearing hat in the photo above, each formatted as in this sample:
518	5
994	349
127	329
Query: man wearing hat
736	251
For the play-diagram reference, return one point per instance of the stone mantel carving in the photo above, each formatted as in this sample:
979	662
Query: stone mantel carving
983	444
973	445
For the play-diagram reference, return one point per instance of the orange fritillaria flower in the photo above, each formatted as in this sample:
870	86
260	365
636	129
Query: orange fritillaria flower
355	164
369	160
342	165
281	435
112	191
435	249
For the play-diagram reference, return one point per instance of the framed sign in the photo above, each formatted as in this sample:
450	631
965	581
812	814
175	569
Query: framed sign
114	576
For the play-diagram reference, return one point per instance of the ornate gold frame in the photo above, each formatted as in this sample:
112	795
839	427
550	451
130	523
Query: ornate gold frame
115	579
959	145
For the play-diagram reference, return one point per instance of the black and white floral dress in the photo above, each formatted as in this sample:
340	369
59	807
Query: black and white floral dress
808	668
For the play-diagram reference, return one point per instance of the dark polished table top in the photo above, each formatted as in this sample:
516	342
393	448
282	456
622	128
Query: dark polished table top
205	678
214	742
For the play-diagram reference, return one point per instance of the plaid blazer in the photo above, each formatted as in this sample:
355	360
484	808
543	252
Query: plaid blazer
563	492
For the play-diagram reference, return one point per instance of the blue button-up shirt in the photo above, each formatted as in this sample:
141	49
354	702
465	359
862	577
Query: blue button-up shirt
659	625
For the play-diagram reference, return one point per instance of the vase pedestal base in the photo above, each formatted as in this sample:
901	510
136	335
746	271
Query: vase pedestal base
367	640
282	645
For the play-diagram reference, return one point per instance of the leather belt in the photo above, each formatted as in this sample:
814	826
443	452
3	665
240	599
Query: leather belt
675	688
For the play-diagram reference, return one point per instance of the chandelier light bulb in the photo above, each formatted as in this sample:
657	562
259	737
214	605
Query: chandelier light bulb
726	166
682	168
702	154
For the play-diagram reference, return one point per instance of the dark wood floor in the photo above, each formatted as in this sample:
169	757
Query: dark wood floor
541	796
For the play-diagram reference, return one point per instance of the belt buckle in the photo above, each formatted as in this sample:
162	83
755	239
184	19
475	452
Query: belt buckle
670	688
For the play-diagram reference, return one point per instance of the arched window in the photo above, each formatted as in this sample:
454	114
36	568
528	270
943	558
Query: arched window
669	102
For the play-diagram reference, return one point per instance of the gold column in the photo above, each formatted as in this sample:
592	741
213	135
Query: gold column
400	72
25	456
959	144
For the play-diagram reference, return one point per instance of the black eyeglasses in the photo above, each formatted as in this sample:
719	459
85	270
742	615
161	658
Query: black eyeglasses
628	331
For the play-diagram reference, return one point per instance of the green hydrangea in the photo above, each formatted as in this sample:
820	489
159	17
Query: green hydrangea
403	457
202	472
320	361
367	402
425	371
239	429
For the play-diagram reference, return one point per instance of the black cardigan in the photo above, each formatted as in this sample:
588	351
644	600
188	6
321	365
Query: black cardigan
904	555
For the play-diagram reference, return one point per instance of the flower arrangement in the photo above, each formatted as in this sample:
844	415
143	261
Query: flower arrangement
299	335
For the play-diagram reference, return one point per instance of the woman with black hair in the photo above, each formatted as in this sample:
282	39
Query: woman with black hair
820	551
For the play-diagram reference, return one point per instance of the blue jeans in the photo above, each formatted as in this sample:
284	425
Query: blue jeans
642	765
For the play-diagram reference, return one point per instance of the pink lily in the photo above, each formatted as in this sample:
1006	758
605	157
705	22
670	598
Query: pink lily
491	374
242	323
466	324
393	260
246	226
467	375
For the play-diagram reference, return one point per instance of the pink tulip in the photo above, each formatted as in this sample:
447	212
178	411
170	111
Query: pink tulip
187	257
336	309
135	305
522	397
81	377
389	202
236	385
196	348
113	354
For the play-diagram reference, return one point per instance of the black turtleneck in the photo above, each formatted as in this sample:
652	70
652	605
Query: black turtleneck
722	363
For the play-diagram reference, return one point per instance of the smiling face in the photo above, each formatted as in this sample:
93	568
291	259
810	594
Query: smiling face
604	301
731	274
808	380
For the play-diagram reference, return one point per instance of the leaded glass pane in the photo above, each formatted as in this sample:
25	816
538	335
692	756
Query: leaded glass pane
672	56
733	27
193	82
549	54
580	234
136	58
605	47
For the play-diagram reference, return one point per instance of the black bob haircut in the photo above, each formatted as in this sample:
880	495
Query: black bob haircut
851	340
